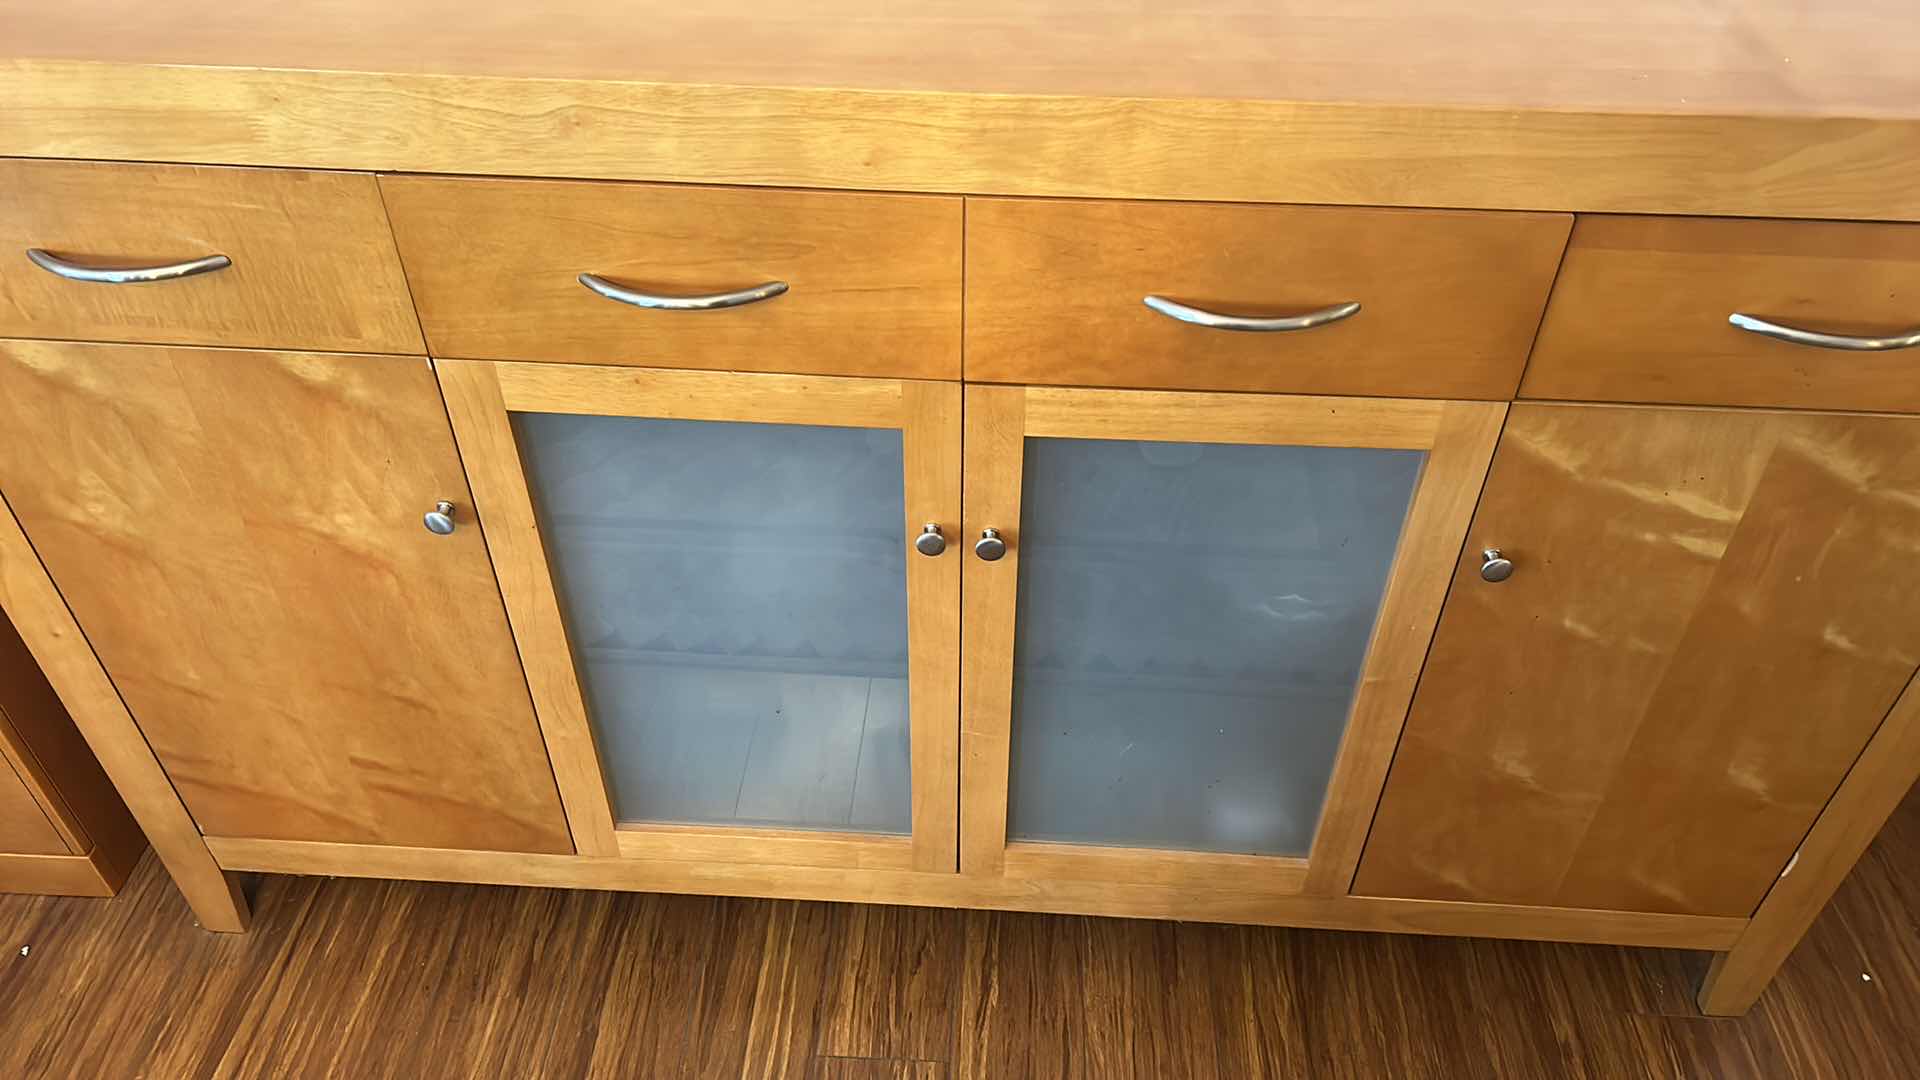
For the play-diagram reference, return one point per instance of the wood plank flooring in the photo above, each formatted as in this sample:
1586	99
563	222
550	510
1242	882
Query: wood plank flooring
374	979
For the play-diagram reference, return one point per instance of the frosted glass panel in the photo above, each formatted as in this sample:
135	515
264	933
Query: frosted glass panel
1192	619
736	598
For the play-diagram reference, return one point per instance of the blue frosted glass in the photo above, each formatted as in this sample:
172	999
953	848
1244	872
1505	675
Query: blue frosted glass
735	595
1192	620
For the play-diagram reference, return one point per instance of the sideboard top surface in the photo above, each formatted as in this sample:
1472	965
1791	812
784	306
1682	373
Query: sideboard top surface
1755	57
1713	106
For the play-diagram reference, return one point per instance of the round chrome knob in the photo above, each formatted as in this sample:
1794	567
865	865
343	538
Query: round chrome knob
990	547
930	542
1495	566
439	520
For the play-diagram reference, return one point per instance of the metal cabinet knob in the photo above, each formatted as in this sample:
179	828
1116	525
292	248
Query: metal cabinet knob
439	520
1494	566
990	547
930	541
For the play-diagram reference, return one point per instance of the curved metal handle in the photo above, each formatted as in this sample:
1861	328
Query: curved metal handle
709	302
1494	566
1823	341
930	541
990	547
1214	321
439	520
125	275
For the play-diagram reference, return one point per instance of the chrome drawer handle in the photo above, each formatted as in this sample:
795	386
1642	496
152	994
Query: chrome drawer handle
1215	321
709	302
1822	341
125	275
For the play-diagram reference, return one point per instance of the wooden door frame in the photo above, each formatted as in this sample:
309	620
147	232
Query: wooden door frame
1458	438
480	397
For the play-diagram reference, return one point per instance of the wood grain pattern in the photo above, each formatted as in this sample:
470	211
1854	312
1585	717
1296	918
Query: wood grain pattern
996	438
1459	439
47	626
48	754
480	396
504	508
581	983
1060	412
1767	108
1186	900
1625	724
346	674
1436	522
55	873
1449	299
585	390
1769	57
930	443
314	265
28	706
773	847
24	826
840	1068
1090	862
1640	313
874	279
1874	787
1667	162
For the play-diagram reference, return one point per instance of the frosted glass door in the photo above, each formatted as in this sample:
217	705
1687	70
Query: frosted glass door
735	595
1191	622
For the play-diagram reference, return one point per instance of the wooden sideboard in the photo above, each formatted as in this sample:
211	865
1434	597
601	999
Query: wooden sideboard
987	455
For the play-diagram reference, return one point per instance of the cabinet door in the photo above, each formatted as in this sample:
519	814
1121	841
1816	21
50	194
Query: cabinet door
239	534
1195	626
734	644
1708	616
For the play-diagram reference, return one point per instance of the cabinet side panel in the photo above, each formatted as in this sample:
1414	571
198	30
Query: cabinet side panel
25	828
52	756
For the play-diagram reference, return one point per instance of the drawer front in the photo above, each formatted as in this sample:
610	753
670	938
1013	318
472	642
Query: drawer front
873	281
1642	307
311	261
1449	300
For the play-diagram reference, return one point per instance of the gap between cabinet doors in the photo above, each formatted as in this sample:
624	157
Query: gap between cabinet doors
960	724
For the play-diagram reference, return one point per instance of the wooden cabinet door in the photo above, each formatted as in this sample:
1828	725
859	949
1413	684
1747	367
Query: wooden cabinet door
1709	614
239	535
1195	626
742	642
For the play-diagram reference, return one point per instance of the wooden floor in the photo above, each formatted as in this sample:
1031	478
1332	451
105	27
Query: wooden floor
364	979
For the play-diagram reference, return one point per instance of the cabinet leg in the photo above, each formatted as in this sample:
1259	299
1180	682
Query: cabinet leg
1879	780
1737	978
216	900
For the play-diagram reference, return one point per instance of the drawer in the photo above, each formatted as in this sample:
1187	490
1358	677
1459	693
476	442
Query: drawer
872	282
1642	311
1448	300
310	262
